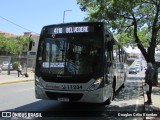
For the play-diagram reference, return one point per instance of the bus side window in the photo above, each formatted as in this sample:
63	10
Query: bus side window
110	45
109	50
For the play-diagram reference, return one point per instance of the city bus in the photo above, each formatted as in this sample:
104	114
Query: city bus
79	62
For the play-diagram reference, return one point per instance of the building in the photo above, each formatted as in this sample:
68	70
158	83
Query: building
133	53
31	55
8	35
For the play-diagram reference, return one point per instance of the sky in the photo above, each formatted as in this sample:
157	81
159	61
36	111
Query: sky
19	16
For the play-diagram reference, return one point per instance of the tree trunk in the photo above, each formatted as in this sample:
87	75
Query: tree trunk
155	77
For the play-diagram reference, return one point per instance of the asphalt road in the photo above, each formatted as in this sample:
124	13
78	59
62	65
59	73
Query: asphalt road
20	97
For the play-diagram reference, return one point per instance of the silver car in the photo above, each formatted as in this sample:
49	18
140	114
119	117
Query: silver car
132	71
5	65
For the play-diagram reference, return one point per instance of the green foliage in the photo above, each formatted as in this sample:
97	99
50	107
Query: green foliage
158	37
15	46
119	13
124	38
144	35
139	18
136	19
15	65
5	45
128	38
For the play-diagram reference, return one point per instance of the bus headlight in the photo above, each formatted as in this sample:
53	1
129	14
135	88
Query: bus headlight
96	84
38	82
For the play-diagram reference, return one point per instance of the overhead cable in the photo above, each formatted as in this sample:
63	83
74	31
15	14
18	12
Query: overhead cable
17	25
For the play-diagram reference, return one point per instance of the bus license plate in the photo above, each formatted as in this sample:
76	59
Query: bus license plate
63	99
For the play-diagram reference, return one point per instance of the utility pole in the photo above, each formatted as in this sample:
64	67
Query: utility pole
9	63
64	14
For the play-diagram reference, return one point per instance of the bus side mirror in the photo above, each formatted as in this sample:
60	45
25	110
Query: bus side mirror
30	45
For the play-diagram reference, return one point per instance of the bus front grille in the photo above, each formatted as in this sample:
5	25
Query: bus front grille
71	96
77	79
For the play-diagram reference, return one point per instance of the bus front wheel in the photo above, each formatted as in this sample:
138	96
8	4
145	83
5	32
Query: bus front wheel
109	100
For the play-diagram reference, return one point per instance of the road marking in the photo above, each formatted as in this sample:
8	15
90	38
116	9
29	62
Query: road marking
138	92
137	101
16	81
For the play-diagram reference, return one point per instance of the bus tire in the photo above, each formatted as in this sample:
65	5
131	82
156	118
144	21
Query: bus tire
125	76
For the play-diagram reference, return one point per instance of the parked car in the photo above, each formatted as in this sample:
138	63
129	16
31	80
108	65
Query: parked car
133	70
5	65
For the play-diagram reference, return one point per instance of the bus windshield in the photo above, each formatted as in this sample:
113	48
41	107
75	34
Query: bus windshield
71	55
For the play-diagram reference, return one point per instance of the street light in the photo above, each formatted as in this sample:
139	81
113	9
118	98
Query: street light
64	14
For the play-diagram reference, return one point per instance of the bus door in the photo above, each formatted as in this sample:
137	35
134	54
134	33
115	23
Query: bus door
122	71
117	65
109	62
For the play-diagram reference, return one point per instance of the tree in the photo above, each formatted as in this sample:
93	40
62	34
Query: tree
2	45
127	38
23	44
124	38
15	46
128	15
7	46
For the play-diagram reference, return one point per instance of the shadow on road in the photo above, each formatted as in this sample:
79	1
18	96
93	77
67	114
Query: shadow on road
124	101
129	93
130	98
55	108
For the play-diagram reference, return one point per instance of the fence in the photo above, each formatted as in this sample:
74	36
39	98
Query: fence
30	63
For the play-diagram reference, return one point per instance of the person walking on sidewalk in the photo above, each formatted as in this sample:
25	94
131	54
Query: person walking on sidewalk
149	80
19	70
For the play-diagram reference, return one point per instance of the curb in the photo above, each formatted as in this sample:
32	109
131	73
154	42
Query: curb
16	81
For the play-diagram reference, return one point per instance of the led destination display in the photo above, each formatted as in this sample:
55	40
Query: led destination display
73	29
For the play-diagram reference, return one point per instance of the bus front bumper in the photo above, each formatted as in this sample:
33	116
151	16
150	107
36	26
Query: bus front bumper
96	96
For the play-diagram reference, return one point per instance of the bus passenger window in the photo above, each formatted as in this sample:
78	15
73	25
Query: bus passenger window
109	51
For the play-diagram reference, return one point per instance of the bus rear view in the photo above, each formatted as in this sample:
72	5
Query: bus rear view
69	63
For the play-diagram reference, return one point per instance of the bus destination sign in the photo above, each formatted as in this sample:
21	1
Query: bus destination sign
79	29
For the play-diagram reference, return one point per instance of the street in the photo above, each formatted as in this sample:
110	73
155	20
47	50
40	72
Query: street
20	97
103	52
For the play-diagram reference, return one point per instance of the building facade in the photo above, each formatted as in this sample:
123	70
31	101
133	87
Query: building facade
31	55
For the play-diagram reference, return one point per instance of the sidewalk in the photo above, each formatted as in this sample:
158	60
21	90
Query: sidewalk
13	77
153	109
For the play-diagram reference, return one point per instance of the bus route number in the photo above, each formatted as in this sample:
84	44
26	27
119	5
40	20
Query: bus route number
57	30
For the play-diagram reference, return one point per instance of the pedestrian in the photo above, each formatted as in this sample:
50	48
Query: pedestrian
149	80
19	70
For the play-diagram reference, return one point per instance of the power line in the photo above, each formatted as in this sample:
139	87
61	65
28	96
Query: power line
17	25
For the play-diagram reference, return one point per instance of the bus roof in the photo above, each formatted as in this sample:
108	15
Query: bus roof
74	27
74	23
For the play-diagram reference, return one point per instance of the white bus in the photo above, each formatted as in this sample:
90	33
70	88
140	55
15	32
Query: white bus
79	62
